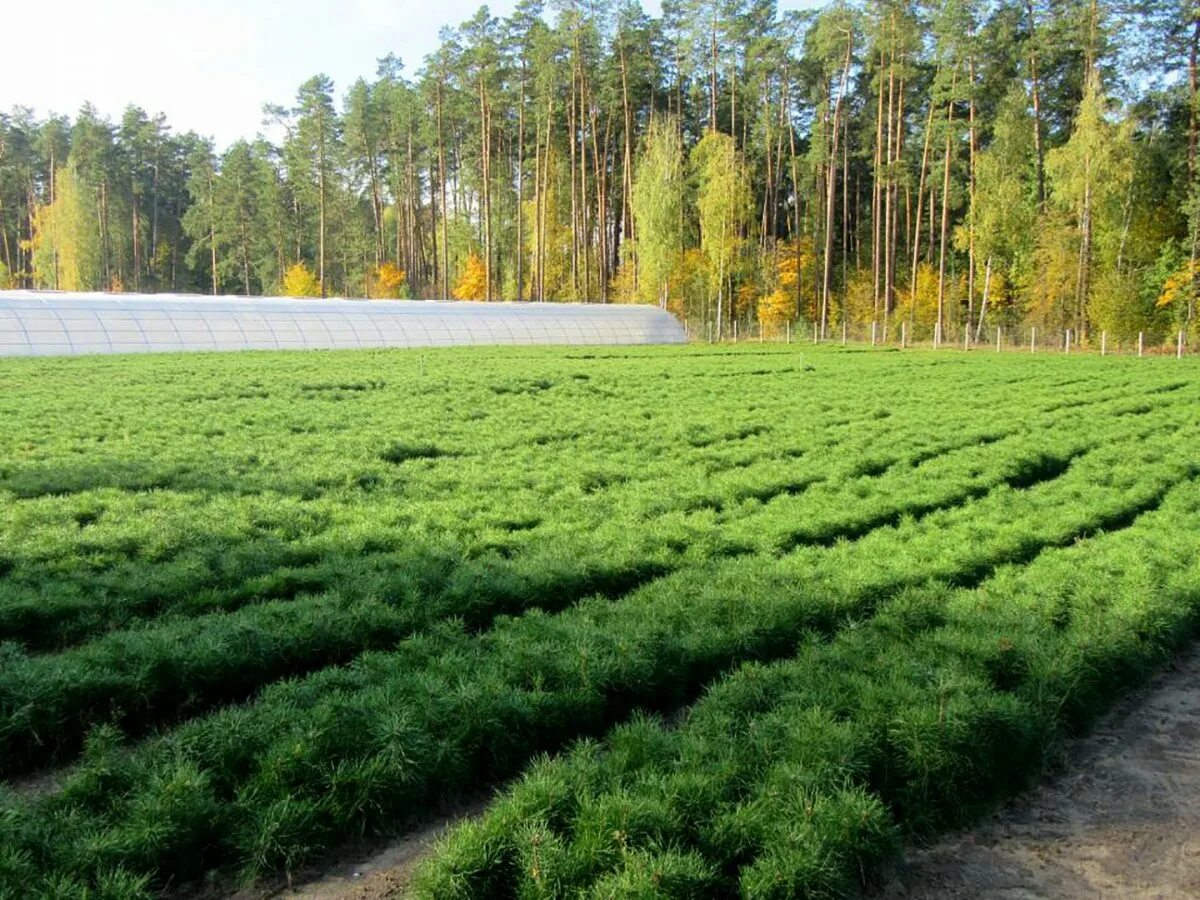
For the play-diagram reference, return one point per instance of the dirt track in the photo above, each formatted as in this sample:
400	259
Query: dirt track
383	872
1121	819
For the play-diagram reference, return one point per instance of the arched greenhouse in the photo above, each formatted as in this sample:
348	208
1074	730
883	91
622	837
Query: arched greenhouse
63	324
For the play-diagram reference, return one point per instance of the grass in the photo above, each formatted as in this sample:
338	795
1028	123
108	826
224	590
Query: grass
258	605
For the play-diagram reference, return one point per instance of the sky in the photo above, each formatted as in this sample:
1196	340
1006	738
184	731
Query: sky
211	66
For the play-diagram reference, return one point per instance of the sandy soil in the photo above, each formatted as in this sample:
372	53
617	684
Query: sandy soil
1120	819
370	874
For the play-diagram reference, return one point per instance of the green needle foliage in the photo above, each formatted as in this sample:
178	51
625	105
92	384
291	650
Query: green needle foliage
262	605
796	779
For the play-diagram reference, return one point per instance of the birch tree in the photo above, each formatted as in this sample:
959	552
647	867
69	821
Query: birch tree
658	187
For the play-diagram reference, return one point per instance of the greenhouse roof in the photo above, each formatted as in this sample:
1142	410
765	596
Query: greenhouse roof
61	324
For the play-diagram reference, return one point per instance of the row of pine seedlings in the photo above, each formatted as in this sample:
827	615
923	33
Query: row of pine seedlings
916	638
139	680
801	778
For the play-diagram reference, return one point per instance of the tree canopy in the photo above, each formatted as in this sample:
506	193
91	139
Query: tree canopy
945	165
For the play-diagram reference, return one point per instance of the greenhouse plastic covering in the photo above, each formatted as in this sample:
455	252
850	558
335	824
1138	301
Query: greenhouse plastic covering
62	324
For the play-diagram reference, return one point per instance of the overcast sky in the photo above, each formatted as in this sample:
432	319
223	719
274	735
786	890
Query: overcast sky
211	66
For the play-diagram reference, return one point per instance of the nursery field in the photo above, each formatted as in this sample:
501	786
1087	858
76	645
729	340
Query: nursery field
710	621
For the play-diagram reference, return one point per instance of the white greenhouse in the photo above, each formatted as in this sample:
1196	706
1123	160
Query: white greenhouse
62	324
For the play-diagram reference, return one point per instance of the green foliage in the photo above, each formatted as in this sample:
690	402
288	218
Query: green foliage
723	204
1089	178
1119	305
255	641
199	223
798	777
1005	210
1054	140
66	249
658	209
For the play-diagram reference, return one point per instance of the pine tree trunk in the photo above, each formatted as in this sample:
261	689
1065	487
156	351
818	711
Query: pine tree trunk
441	150
845	199
599	167
152	266
916	248
831	175
545	213
877	198
485	153
627	164
433	229
1039	150
797	228
768	187
941	307
888	242
585	223
245	235
521	185
1193	138
712	90
894	242
574	144
136	226
971	195
212	231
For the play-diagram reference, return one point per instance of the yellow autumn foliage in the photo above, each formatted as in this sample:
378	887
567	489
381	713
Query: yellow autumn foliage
1000	291
472	283
299	281
919	307
623	286
858	296
65	245
795	260
688	285
386	282
745	298
1051	295
1178	284
795	271
776	309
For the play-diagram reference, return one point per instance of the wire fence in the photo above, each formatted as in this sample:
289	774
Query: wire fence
1028	339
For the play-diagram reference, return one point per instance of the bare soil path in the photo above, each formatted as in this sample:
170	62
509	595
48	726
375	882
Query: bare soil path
382	871
1120	819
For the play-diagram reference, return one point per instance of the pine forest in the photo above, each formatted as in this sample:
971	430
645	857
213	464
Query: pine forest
941	168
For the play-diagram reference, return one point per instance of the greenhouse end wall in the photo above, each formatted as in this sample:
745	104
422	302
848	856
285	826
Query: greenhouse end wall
64	324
